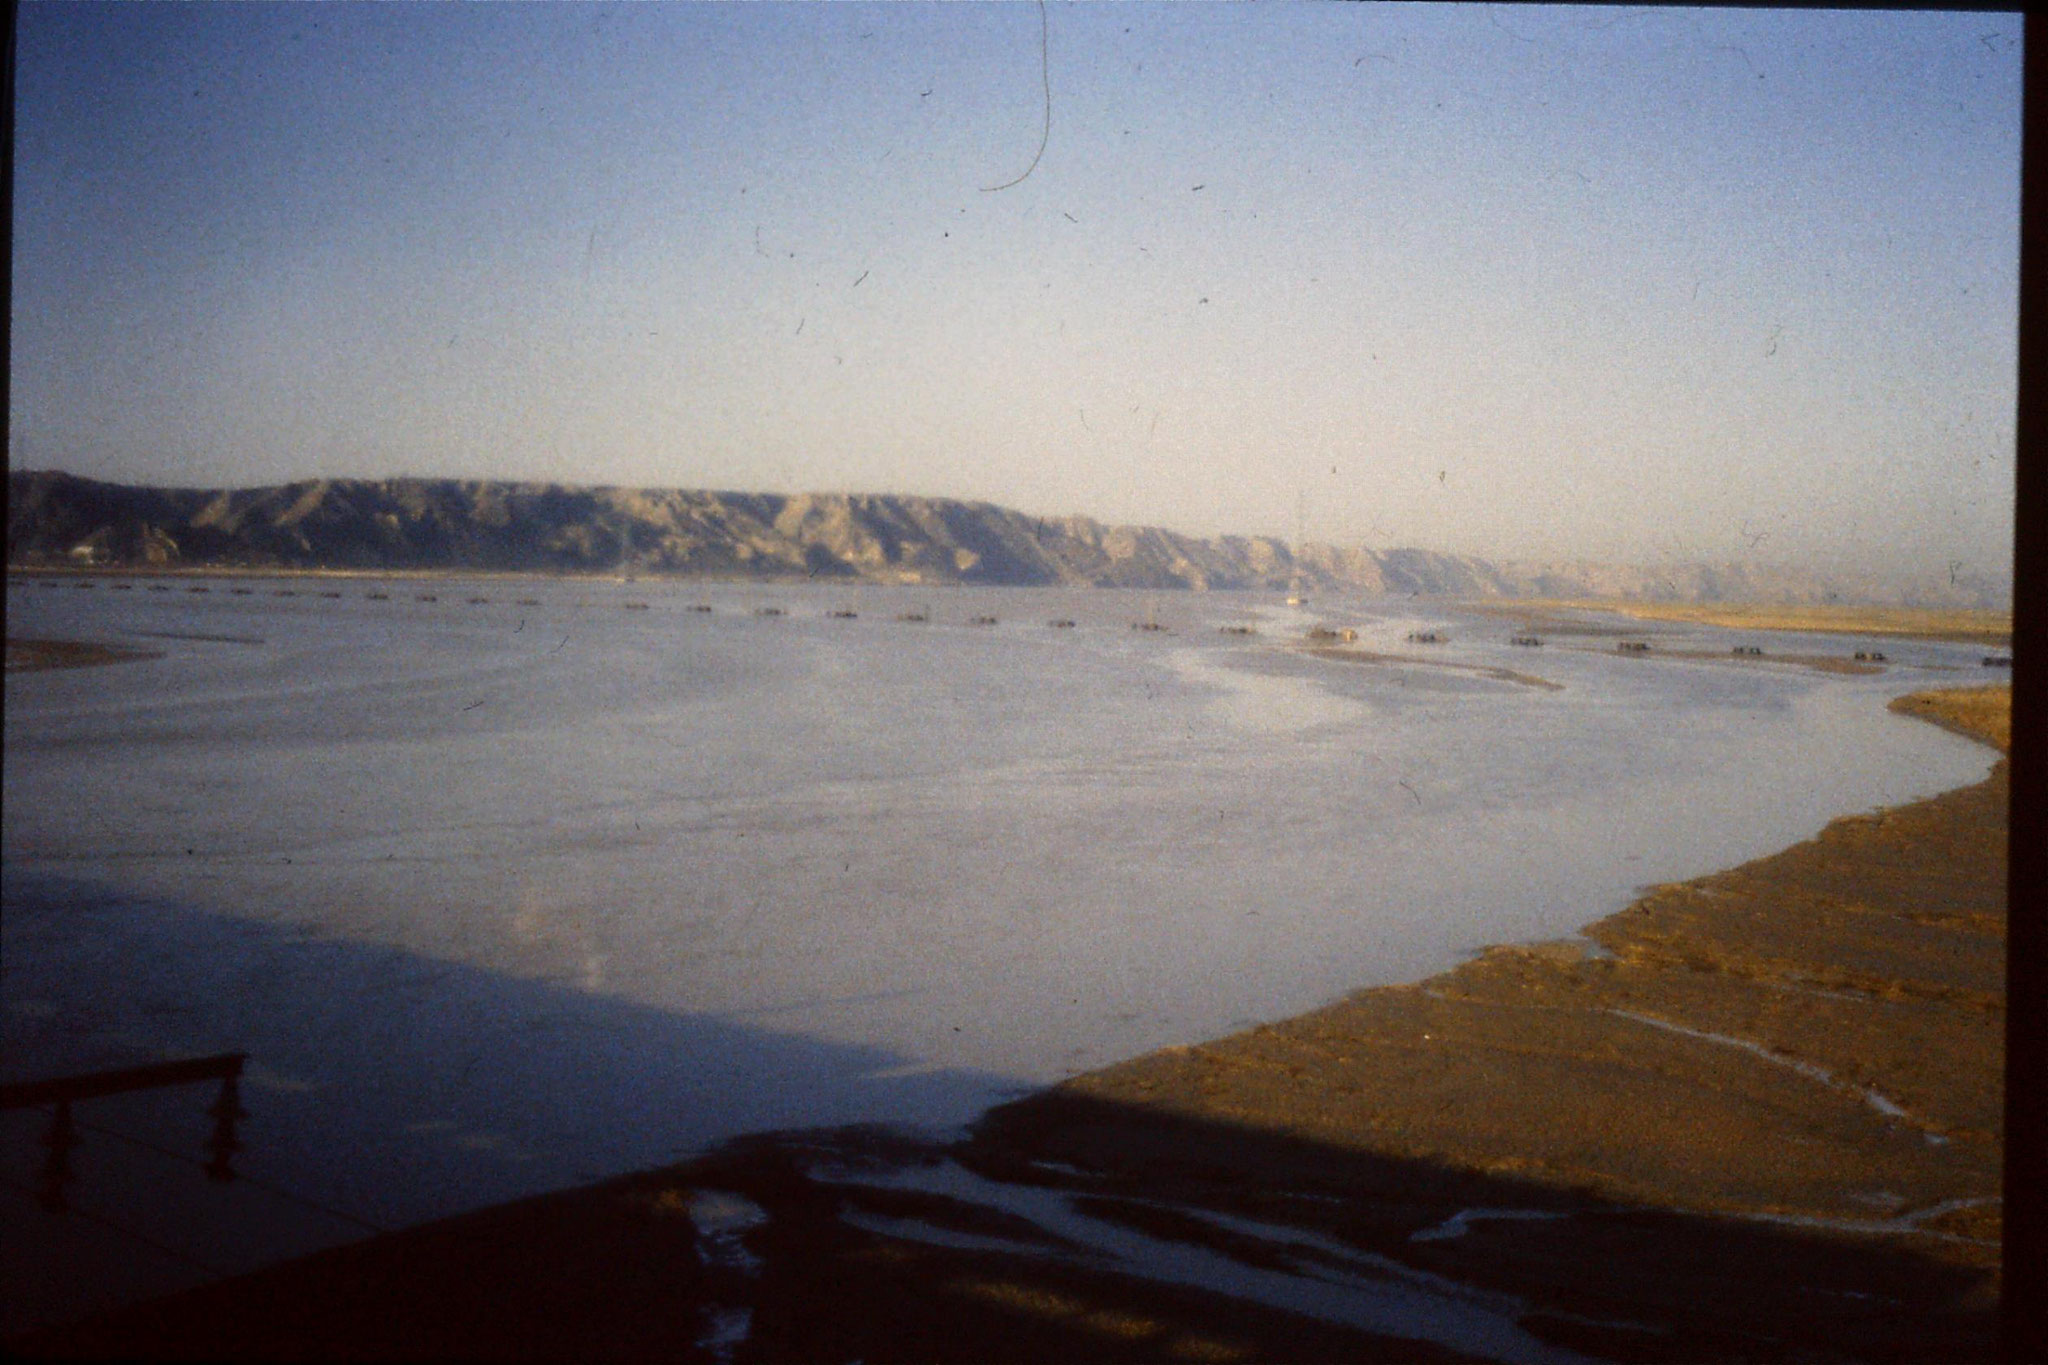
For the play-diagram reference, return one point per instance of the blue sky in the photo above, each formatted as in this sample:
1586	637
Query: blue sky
1601	283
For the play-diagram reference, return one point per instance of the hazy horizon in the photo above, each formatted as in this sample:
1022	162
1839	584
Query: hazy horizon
1529	284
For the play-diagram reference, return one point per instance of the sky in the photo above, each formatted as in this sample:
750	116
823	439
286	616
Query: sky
1525	282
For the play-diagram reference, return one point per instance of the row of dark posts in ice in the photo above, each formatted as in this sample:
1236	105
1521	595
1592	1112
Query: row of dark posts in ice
1321	634
839	614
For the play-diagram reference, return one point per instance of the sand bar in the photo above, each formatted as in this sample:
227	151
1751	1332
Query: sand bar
31	656
1921	623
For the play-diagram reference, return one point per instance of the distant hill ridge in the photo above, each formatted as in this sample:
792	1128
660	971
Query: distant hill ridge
55	518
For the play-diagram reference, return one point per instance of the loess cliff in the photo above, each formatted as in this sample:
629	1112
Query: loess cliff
56	519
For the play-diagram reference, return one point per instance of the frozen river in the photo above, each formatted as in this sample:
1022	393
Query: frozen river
510	893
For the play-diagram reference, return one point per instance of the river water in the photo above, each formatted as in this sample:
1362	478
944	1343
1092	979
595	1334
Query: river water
544	880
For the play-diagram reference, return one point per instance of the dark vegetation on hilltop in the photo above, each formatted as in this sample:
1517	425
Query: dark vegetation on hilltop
58	519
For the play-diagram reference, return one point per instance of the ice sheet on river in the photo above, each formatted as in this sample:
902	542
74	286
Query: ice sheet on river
507	893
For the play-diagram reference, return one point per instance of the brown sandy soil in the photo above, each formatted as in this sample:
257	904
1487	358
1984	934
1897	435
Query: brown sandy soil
1852	962
1761	1121
1977	627
29	656
1980	712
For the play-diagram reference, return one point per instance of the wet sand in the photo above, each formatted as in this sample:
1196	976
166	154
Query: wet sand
29	656
1753	1116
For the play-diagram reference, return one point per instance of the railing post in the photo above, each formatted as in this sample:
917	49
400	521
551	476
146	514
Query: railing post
64	1091
61	1138
223	1144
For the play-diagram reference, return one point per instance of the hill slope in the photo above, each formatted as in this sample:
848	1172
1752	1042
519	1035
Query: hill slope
413	524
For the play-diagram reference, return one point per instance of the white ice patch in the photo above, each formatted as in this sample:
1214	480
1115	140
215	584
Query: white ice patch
1906	1225
1458	1224
1361	1290
931	1234
725	1330
722	1219
1263	703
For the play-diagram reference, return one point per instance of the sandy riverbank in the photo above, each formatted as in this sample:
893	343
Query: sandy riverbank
1753	1116
1919	623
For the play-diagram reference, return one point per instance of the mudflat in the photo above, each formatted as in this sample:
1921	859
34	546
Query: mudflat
1753	1116
29	656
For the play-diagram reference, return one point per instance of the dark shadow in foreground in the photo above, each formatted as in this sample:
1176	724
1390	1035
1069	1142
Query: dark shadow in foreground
384	1090
1074	1230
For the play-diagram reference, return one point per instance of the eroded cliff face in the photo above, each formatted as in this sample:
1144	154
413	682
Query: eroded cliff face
414	524
446	524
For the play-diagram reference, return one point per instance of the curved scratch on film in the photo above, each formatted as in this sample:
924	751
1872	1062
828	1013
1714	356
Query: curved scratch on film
1045	78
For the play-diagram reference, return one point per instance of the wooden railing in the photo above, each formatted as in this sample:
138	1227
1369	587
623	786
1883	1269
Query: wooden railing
64	1091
